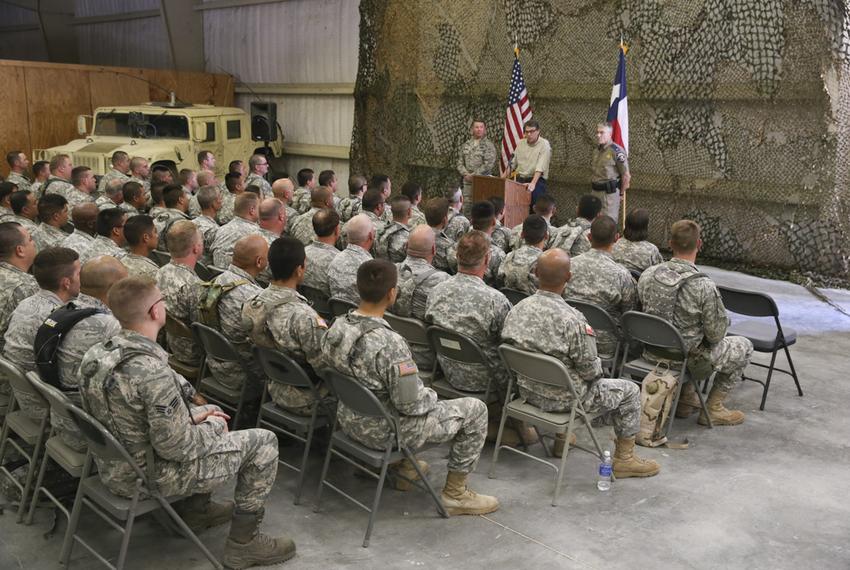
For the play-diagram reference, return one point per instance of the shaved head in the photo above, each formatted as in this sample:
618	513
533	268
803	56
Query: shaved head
553	269
130	299
421	241
248	249
358	229
283	189
85	215
205	178
99	274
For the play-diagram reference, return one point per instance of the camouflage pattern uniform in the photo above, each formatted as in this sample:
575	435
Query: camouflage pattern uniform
465	305
105	203
227	236
501	237
27	223
699	314
130	210
636	255
146	184
6	214
301	199
416	217
180	291
393	243
109	177
139	266
379	223
416	279
79	241
350	207
101	245
545	323
456	226
517	271
74	196
15	286
477	156
163	222
140	403
283	319
57	185
600	280
319	257
291	216
228	201
367	349
342	273
22	182
154	211
442	243
302	228
516	241
491	276
47	236
573	237
209	229
255	179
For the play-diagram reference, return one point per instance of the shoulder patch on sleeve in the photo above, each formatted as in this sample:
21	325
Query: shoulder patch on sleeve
168	409
321	322
588	330
407	368
621	156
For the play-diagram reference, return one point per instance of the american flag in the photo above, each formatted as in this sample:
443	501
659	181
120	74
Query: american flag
518	112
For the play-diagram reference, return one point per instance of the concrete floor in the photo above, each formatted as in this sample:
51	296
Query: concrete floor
766	494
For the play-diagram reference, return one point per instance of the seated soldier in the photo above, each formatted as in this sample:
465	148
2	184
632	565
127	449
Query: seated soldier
281	318
209	204
635	252
142	238
392	243
135	200
84	218
545	323
501	235
322	251
110	235
193	451
53	213
598	279
302	229
362	345
246	211
676	291
413	192
484	220
545	208
342	271
176	205
436	215
351	206
517	270
573	237
375	208
456	223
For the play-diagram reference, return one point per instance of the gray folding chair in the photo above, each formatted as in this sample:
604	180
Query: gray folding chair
767	337
176	327
415	332
216	345
32	433
55	449
318	299
207	272
657	333
363	402
160	257
551	372
340	307
460	348
111	508
280	369
513	295
600	320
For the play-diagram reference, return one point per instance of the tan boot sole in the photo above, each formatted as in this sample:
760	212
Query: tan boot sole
628	474
459	511
718	421
239	563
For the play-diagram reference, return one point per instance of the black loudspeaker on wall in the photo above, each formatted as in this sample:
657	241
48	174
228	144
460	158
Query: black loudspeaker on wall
263	121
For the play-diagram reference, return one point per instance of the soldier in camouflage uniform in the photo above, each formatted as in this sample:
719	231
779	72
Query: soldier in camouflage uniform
363	346
140	172
501	235
545	208
413	191
675	290
517	271
306	182
259	166
247	210
142	238
57	271
127	385
456	224
465	304
284	190
119	171
392	243
176	203
209	201
477	156
6	190
84	217
635	252
574	236
436	215
18	164
302	228
81	189
484	220
342	272
60	175
53	213
25	209
598	279
351	206
384	185
545	323
321	251
180	286
374	206
110	236
135	201
113	196
234	187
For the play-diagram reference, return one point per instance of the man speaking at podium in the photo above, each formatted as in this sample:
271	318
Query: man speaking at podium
531	160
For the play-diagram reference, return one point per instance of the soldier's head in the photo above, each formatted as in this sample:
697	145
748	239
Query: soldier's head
207	178
206	160
41	170
283	189
357	185
637	225
401	208
383	182
483	216
234	183
535	230
478	128
175	197
185	241
82	178
287	260
545	206
110	224
251	254
589	207
138	305
236	166
455	197
326	225
6	190
328	178
84	217
16	245
141	234
553	270
321	197
139	168
115	191
99	274
17	161
259	164
272	215
422	243
209	199
413	191
376	283
436	212
531	130
120	161
373	201
158	194
306	178
24	204
189	178
247	206
473	253
360	231
498	206
61	166
603	233
57	269
53	210
161	173
685	239
134	194
603	133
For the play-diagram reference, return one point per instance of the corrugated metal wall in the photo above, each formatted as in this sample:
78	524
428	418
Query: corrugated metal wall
21	44
141	42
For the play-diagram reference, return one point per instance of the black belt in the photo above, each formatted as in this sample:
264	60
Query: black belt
607	186
523	179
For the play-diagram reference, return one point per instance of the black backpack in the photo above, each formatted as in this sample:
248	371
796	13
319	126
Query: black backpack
50	335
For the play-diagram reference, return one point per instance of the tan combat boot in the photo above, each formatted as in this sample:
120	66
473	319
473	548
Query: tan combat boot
720	416
526	433
200	513
404	470
509	435
627	464
458	499
688	402
246	546
560	440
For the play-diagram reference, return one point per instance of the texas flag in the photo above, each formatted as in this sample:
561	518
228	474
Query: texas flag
618	112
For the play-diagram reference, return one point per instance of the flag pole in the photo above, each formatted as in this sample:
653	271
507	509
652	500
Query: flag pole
624	49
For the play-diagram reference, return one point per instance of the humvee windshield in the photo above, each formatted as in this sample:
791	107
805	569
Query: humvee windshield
146	126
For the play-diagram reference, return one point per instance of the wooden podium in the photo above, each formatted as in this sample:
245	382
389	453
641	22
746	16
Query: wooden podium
517	197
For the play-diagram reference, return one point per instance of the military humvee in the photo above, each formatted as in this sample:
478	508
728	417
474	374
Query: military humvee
169	134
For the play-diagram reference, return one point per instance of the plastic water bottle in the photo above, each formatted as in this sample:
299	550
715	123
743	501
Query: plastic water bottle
604	481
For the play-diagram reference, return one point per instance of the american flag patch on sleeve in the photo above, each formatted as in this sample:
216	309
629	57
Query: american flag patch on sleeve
407	368
589	330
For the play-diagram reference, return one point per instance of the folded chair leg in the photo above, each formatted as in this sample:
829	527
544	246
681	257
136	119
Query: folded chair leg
559	479
73	522
793	371
412	458
39	480
187	532
701	403
128	530
767	380
324	473
377	500
303	470
493	461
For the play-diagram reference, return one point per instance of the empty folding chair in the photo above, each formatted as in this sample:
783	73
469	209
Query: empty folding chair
767	337
600	320
178	328
363	402
160	257
415	332
513	295
552	372
318	299
340	307
32	432
459	348
280	369
659	334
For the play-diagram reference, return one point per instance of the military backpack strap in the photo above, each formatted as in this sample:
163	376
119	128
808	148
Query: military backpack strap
49	337
211	294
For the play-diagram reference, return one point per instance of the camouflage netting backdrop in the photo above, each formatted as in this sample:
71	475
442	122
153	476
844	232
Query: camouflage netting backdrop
739	109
